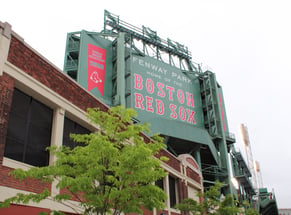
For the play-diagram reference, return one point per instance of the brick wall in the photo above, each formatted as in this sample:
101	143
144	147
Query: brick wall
6	92
190	160
30	185
21	209
172	162
183	191
192	174
27	60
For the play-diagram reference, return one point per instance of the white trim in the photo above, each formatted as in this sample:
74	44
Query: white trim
68	206
56	140
185	164
57	130
183	159
7	162
167	187
192	193
171	170
170	209
194	183
4	46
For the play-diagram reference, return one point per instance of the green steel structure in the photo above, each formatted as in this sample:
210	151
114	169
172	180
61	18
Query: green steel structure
242	174
267	204
134	67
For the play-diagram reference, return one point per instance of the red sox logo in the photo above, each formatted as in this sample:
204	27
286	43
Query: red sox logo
96	68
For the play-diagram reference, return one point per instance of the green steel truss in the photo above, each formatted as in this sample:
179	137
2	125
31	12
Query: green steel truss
145	41
242	174
211	119
71	61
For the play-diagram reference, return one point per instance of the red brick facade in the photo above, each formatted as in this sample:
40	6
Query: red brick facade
20	209
30	185
27	60
6	92
173	161
192	174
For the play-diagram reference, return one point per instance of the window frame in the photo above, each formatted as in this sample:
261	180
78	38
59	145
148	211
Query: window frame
34	129
76	126
173	197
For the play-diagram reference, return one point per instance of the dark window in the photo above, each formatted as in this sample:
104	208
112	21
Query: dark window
29	130
172	190
160	183
71	127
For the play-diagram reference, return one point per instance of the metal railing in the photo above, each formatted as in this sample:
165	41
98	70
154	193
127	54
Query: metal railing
147	35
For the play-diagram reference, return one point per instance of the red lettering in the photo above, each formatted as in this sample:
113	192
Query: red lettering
182	113
149	101
150	86
171	90
160	107
138	101
161	92
138	82
144	101
191	116
180	95
173	109
190	100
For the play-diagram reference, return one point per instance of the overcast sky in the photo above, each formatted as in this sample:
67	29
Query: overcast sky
246	43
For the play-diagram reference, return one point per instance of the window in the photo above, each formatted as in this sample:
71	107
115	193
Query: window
160	183
172	191
72	127
29	130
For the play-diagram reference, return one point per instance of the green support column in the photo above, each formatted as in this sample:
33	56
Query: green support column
121	68
198	157
222	142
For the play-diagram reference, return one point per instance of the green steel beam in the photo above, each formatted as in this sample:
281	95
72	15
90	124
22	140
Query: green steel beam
121	68
222	142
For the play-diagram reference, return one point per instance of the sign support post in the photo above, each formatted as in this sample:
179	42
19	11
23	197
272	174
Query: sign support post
121	68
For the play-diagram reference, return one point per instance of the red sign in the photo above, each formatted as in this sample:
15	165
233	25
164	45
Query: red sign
221	109
96	68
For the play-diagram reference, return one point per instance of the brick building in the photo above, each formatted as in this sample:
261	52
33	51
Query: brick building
39	106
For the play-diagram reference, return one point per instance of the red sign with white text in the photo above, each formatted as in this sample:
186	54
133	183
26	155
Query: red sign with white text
96	68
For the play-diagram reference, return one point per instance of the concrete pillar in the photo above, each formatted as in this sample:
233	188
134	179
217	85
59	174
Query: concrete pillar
57	130
57	140
5	36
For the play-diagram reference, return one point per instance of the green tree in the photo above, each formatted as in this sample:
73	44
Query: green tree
113	172
248	209
212	203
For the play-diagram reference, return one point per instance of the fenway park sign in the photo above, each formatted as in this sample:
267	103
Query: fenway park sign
161	90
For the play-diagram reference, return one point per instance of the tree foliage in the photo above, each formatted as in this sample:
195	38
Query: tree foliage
249	210
113	172
213	203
